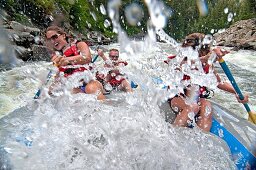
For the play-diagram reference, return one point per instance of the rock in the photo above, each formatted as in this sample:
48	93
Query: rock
24	39
22	28
95	37
23	53
35	53
17	26
4	16
241	35
7	54
40	53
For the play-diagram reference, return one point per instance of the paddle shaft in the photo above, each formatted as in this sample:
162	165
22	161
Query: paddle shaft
95	58
234	84
38	93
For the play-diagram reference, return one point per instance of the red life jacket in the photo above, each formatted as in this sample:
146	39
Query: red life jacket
169	58
120	62
114	82
203	91
72	50
206	67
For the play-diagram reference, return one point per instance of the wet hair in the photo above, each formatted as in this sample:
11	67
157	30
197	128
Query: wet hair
59	30
55	28
197	39
193	40
114	49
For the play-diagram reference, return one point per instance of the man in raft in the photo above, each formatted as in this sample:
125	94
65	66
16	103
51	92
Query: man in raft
113	79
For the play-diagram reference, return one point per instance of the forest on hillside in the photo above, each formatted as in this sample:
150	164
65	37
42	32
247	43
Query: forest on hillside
183	17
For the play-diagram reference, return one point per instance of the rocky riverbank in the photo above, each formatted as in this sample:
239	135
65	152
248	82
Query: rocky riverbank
241	35
28	41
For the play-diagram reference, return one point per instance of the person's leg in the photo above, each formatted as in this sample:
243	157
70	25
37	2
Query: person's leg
205	118
125	85
95	87
182	118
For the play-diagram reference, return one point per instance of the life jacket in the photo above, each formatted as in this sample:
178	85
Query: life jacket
72	50
203	91
115	82
169	58
121	62
206	67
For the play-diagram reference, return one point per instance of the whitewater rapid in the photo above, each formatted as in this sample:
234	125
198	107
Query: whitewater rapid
128	131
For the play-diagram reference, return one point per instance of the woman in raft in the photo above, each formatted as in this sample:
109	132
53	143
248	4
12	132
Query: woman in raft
201	107
72	58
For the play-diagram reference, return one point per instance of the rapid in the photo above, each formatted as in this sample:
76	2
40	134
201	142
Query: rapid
127	131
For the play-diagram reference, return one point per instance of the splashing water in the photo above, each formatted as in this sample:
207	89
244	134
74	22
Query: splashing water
226	10
107	23
127	131
133	14
230	16
103	10
202	7
157	14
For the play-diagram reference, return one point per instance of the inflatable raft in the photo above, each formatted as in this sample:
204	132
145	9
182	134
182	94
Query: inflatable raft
239	134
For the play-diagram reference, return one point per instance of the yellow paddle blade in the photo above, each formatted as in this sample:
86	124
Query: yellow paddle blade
252	117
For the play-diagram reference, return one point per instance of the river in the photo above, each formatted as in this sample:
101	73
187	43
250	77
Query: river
127	131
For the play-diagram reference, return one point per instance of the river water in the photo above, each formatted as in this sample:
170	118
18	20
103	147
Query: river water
19	84
127	131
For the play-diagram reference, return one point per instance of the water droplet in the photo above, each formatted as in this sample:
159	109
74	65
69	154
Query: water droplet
191	115
202	6
106	23
94	16
102	9
208	111
230	17
220	132
133	13
226	10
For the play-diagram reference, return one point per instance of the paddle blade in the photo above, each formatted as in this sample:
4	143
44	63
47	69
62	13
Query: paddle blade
252	117
134	85
37	94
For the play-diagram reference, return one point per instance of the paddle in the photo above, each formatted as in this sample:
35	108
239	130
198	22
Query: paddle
49	75
38	93
95	58
252	116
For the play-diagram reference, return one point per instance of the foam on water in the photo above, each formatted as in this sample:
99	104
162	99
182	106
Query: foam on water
20	84
127	131
242	58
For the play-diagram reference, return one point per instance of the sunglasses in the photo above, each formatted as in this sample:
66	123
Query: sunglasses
53	37
114	56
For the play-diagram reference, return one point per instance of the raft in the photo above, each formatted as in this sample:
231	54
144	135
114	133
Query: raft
238	133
